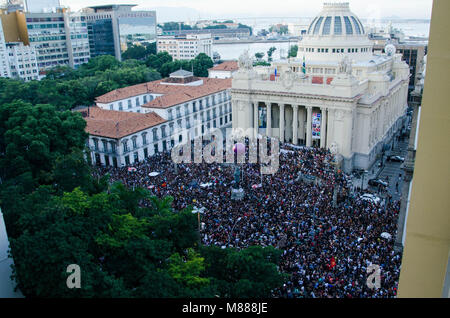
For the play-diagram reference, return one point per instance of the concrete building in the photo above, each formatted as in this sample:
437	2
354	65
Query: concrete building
41	6
22	61
60	38
160	113
113	28
6	284
224	70
425	268
413	54
185	47
4	59
337	94
216	34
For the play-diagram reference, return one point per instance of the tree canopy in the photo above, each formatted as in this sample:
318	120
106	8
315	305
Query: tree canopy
66	88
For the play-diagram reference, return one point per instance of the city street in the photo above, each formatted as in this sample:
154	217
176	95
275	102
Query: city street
390	172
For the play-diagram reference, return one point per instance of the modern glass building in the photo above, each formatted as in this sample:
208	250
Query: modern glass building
114	28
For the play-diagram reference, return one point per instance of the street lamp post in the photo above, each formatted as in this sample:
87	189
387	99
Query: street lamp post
232	229
362	179
198	211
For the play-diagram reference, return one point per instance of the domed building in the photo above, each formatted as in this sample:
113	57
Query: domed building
336	94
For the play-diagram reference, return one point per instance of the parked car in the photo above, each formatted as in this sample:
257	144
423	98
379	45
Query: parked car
395	158
377	182
371	198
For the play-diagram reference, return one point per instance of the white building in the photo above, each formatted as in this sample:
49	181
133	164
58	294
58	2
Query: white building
132	123
6	284
350	100
4	60
224	70
186	46
22	61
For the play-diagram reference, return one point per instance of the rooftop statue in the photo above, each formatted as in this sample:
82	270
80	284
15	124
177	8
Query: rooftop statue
245	62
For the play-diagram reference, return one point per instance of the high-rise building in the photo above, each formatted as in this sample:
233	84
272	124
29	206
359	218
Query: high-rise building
60	38
22	61
114	28
4	61
185	47
425	270
41	6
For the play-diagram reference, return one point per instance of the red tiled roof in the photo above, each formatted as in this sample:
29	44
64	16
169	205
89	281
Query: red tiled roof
172	94
118	124
226	66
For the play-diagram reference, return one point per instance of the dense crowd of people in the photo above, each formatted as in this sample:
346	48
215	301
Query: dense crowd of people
328	234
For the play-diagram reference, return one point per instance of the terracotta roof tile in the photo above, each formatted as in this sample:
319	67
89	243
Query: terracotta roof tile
226	66
171	94
118	124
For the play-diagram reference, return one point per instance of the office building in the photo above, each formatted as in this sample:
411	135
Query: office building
4	60
41	6
185	47
114	28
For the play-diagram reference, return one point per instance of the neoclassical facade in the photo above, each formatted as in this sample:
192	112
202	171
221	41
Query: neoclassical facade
336	94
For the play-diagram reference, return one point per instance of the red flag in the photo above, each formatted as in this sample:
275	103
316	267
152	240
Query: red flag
332	262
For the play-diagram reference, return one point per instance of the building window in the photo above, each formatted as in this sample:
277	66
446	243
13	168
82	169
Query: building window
120	106
127	160
111	107
337	25
317	26
134	140
144	138
348	26
155	134
136	157
129	104
137	101
327	26
105	145
125	146
145	153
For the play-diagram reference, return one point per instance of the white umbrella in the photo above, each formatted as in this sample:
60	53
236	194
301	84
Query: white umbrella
386	235
153	174
204	185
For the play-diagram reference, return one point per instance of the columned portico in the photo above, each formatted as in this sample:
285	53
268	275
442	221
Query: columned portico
309	126
255	119
323	129
282	122
295	124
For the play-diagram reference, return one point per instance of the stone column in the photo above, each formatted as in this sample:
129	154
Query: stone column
269	119
295	124
281	122
309	126
255	119
323	129
330	126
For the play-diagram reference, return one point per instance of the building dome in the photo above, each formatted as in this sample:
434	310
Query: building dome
334	33
336	19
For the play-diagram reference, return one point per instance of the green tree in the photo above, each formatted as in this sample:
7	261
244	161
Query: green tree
259	55
137	52
187	269
270	52
293	51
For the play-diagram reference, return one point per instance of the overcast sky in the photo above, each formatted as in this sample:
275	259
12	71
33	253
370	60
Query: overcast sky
194	9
